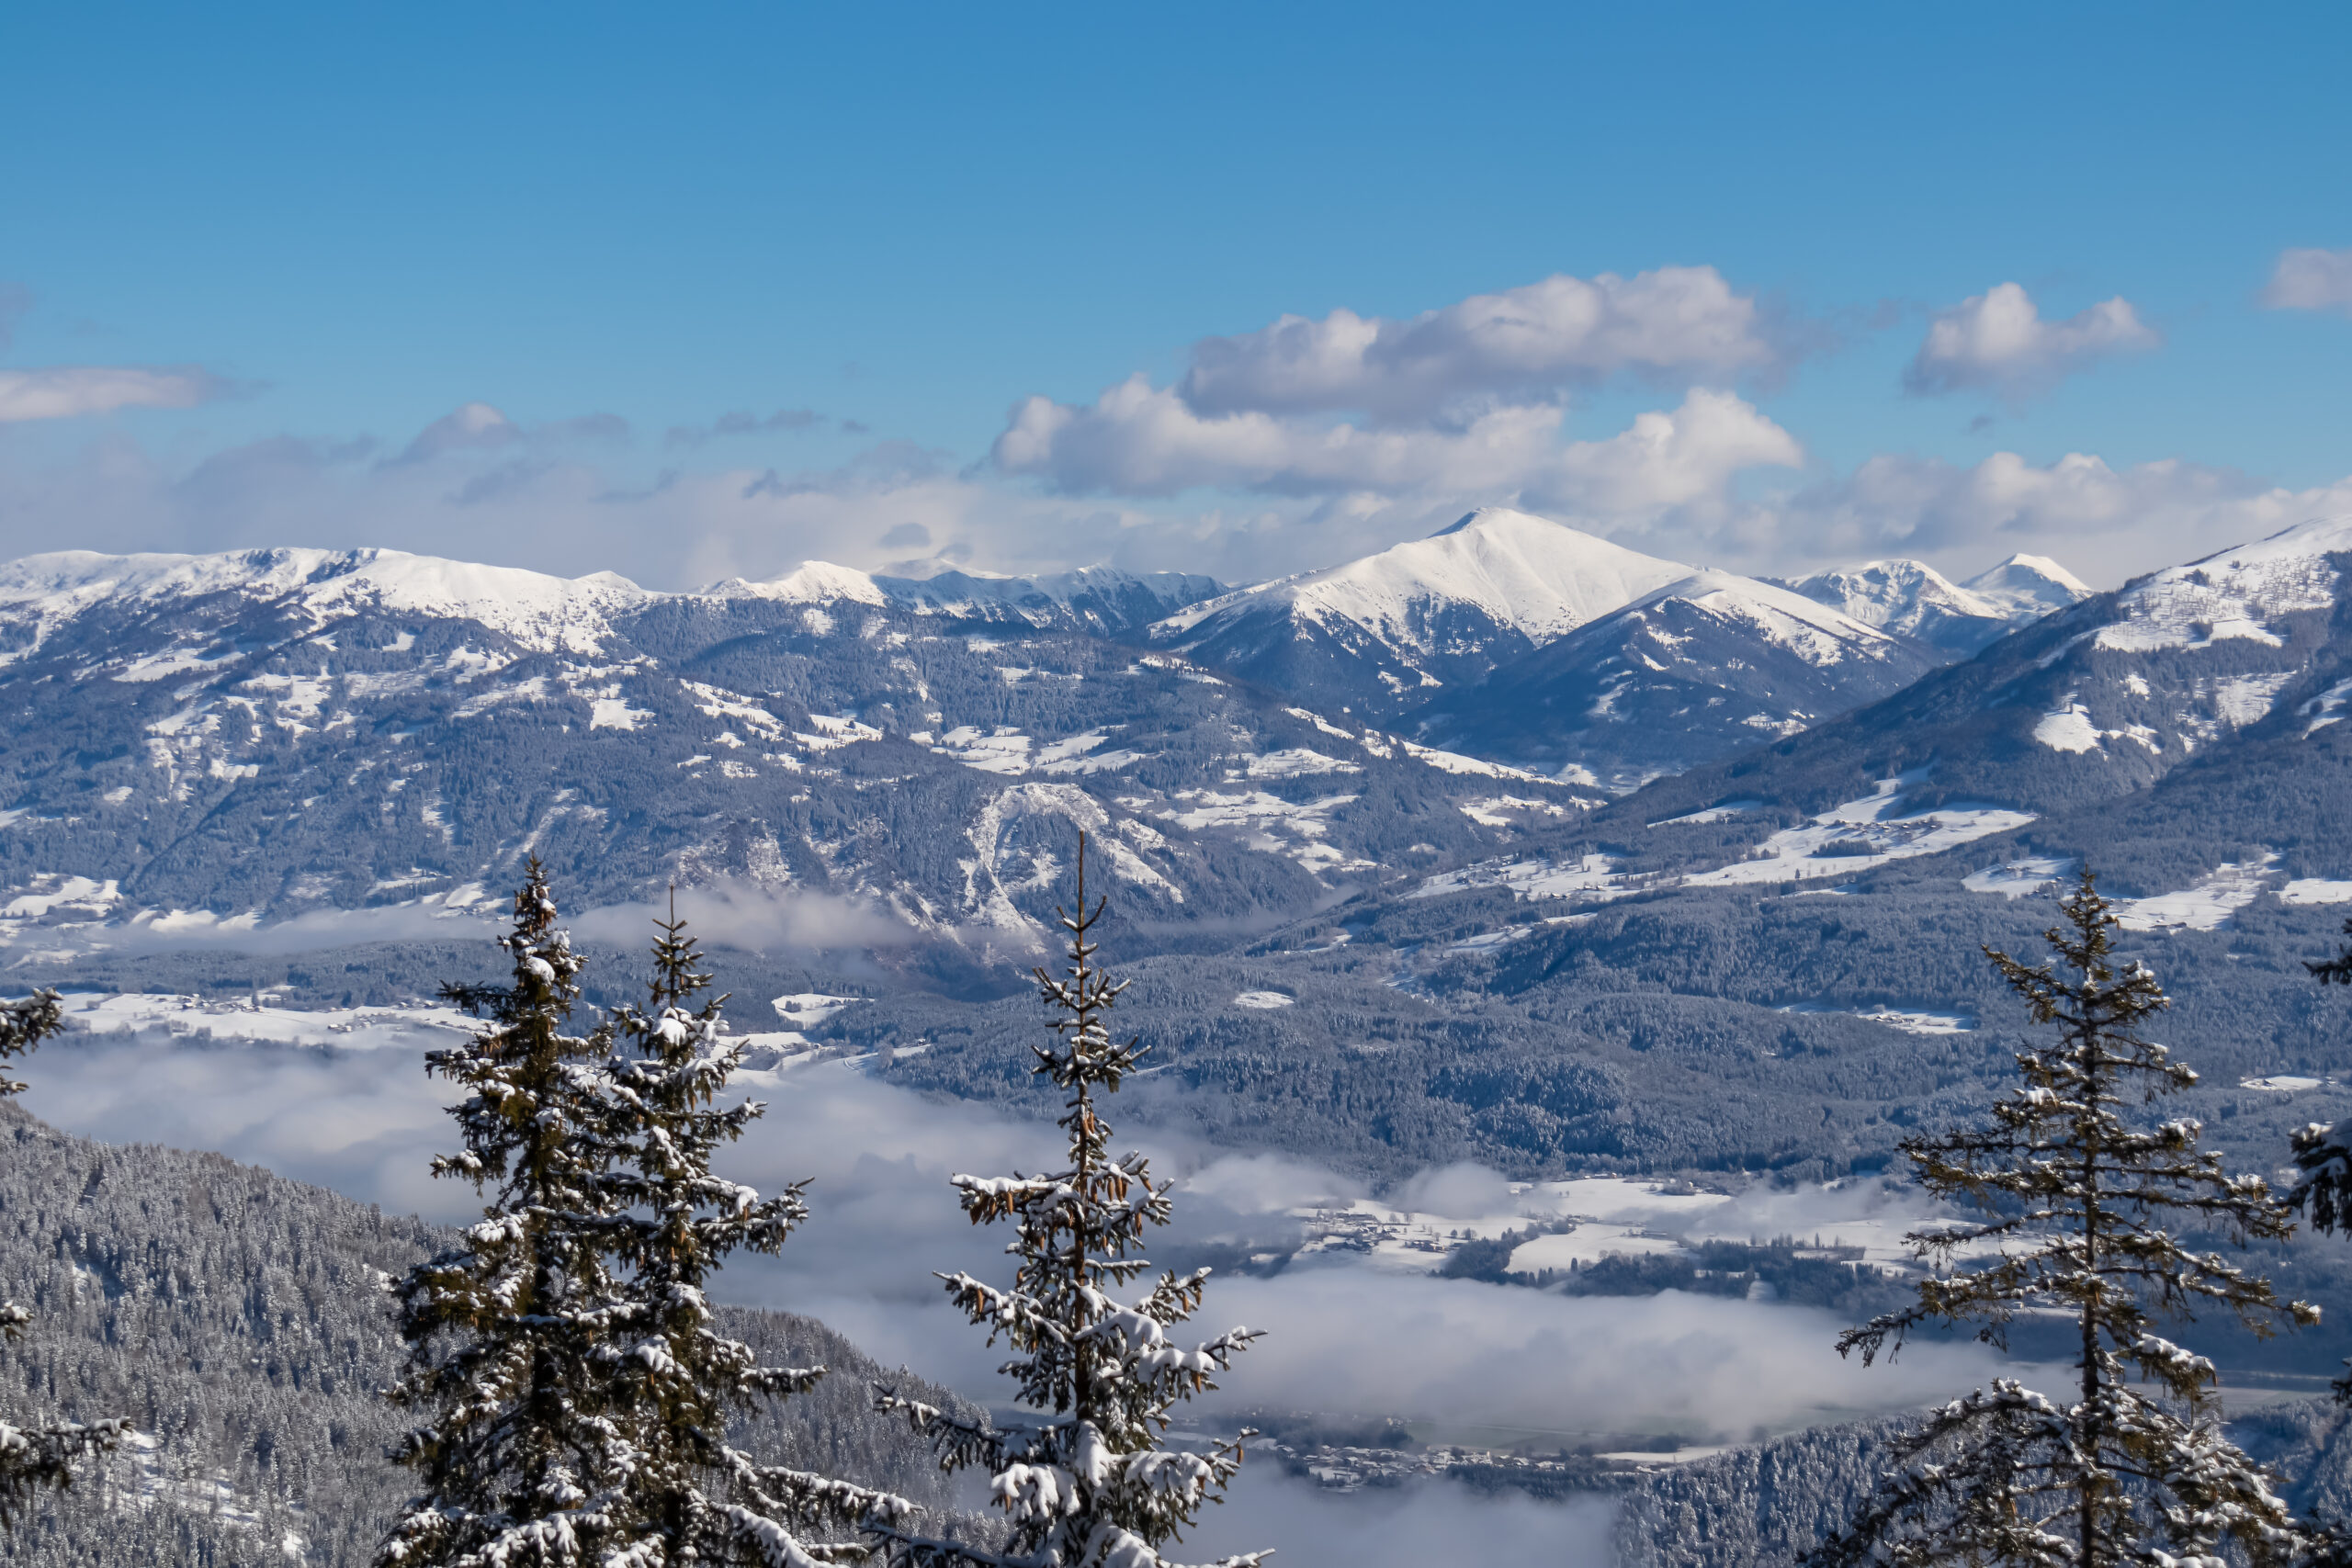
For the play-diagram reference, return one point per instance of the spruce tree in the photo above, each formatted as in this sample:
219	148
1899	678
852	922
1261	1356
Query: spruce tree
693	1498
36	1456
2073	1194
1089	1485
522	1458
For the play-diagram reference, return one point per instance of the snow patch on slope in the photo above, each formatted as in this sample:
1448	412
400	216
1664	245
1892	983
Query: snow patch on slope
2233	594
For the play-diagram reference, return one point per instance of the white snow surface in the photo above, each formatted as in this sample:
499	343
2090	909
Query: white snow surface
1863	833
538	611
1899	596
811	582
1543	577
1264	1001
2068	729
2205	906
1778	616
2027	587
2233	594
2316	890
2018	878
238	1018
2326	709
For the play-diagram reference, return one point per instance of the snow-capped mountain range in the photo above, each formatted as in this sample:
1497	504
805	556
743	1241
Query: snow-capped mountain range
213	741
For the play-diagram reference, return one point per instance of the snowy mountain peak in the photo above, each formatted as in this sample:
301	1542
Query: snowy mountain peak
1539	578
812	583
2027	587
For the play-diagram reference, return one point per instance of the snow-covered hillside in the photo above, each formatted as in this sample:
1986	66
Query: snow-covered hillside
1694	671
2236	663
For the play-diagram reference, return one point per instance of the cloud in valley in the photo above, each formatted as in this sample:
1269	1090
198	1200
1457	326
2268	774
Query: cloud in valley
1341	1338
1998	341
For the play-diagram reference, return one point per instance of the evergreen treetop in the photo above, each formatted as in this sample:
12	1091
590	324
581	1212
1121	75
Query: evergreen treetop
522	1457
2074	1195
694	1496
1090	1486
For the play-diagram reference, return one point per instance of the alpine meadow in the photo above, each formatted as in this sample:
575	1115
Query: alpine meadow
1222	787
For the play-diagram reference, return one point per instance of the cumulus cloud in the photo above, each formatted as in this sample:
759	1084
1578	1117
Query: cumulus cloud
1467	403
70	391
2306	280
1683	322
1998	341
1141	440
2105	523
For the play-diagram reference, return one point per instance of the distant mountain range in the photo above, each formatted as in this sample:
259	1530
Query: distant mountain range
208	743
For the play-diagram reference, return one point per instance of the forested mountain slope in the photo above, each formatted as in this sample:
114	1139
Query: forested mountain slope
240	1320
1706	667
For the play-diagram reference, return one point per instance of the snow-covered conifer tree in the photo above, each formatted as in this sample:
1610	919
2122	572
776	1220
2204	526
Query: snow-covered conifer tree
522	1459
34	1457
2073	1194
692	1497
1088	1486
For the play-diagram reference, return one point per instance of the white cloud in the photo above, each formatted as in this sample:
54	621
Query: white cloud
1342	1337
2306	280
1141	440
467	427
1683	322
2104	523
1998	340
70	391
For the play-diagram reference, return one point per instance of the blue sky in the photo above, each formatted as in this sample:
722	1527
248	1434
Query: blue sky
318	231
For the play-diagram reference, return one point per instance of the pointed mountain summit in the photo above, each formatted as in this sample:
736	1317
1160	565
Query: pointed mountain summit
1382	633
2028	586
